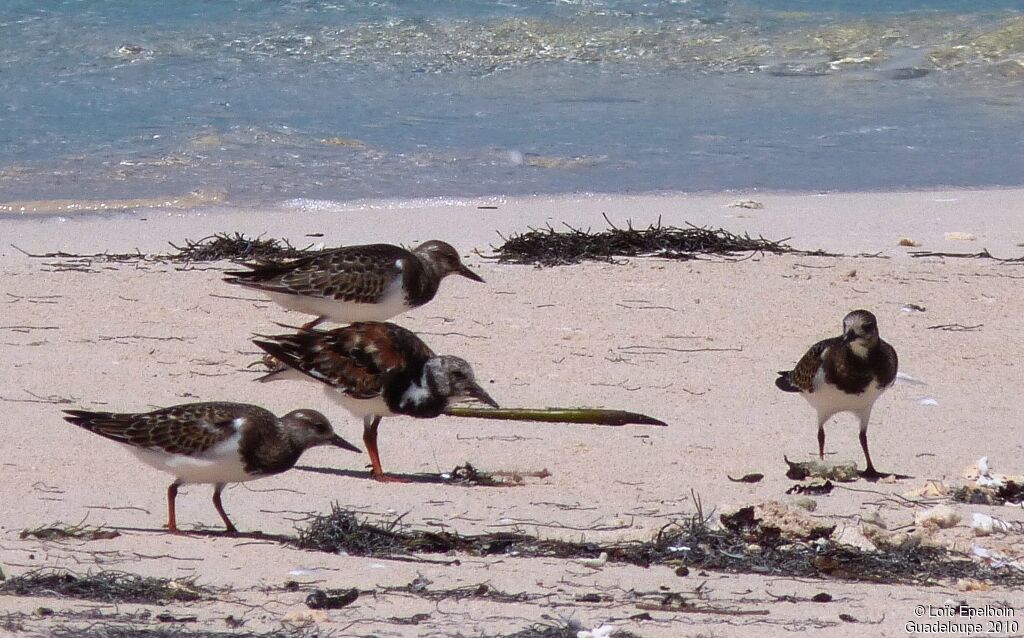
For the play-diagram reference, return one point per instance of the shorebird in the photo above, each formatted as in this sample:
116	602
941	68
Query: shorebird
356	283
215	442
375	370
845	374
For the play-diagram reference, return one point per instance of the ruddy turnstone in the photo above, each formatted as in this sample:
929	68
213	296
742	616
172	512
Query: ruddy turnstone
845	374
356	283
375	370
213	442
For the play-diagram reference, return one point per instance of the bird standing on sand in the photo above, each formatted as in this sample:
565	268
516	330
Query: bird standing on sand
356	283
375	370
845	374
213	442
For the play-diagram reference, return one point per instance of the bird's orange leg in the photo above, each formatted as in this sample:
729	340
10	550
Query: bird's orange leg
220	509
370	425
172	495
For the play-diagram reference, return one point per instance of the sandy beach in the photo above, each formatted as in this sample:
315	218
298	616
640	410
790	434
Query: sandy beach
694	343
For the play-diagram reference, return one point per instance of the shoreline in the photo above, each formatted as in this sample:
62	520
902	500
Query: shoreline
846	222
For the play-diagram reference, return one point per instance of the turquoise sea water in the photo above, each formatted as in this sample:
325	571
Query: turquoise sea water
340	100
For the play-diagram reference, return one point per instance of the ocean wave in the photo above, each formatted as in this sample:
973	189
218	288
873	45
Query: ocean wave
706	37
950	41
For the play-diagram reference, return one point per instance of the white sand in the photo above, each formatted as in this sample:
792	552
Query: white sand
630	336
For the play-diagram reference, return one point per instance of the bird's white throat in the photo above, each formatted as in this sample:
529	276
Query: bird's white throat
417	393
859	348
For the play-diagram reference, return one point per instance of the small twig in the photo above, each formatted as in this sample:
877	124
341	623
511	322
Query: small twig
984	254
955	327
52	399
144	338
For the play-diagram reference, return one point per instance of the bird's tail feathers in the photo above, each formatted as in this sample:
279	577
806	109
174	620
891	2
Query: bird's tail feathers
84	418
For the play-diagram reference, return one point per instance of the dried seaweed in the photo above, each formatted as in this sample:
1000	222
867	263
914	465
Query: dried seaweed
548	247
568	630
984	254
420	586
236	247
104	586
468	474
562	629
94	623
118	630
221	246
62	531
332	598
693	542
112	630
341	531
1008	492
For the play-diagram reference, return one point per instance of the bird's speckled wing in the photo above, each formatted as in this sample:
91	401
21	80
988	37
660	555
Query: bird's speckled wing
358	359
359	274
801	376
185	429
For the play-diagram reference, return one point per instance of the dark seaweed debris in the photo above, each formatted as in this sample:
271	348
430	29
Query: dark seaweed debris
111	630
984	254
467	474
332	598
63	531
568	630
692	542
221	246
104	586
1009	492
118	630
236	247
549	247
341	531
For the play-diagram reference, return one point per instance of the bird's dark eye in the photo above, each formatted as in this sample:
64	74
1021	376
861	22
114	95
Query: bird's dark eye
869	327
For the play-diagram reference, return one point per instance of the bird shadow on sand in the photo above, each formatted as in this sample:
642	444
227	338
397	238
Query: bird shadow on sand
875	478
254	535
432	479
462	476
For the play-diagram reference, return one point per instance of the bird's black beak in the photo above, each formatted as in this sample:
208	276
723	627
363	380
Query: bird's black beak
849	336
337	441
469	274
481	395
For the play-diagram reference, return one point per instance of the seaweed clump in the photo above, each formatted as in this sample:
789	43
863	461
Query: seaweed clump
570	629
124	630
237	247
549	247
104	586
113	630
217	247
746	545
740	545
1008	492
62	531
341	532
